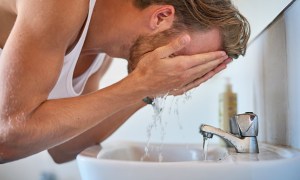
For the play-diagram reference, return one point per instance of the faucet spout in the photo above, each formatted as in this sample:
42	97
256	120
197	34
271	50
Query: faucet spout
241	144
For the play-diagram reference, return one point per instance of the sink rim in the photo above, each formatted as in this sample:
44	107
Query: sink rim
92	168
91	153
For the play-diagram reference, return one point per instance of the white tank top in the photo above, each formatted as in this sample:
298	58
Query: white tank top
66	86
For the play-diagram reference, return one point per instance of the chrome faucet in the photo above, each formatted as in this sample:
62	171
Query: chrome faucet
244	130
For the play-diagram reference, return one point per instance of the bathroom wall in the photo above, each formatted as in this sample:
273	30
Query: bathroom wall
259	13
277	80
293	57
271	84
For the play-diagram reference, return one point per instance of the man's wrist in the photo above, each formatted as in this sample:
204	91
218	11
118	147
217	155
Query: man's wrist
148	100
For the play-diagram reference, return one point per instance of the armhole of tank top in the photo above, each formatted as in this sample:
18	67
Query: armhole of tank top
78	47
84	26
79	83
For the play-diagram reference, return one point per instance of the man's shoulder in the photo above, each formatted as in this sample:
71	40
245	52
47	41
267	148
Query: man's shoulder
58	19
60	10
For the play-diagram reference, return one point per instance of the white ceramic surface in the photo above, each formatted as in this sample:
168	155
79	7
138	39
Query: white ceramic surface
122	160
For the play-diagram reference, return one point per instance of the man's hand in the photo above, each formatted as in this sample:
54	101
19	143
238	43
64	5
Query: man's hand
160	72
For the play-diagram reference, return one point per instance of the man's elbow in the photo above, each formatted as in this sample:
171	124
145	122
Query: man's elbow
61	157
8	155
11	145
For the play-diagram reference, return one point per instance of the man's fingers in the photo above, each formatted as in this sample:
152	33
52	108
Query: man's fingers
174	46
200	70
201	80
199	59
222	66
209	73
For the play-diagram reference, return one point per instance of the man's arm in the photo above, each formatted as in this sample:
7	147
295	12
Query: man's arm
94	136
30	65
70	149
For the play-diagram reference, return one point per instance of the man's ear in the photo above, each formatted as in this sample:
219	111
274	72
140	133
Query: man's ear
162	18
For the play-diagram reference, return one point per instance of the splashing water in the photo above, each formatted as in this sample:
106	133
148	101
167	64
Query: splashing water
158	107
187	96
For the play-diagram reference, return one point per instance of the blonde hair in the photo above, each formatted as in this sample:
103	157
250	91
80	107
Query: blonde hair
203	15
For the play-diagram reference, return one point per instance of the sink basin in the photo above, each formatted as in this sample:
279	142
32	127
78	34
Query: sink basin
128	161
129	151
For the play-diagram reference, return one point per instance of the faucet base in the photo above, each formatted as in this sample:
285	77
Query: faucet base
248	145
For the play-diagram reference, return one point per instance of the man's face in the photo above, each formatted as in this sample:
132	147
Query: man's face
201	42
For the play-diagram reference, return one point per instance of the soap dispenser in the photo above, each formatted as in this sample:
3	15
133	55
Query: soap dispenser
227	106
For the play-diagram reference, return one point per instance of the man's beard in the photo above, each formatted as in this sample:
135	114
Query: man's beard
148	43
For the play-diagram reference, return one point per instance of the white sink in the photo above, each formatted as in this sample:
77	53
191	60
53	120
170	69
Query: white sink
122	160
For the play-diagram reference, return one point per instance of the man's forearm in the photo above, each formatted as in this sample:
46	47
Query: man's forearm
57	121
70	149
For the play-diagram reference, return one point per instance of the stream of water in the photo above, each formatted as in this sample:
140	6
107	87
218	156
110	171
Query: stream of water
158	107
205	146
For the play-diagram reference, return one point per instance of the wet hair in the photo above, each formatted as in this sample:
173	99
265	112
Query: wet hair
203	15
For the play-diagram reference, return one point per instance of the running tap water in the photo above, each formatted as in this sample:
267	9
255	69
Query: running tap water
244	130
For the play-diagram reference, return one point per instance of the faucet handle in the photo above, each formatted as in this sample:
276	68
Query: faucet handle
244	125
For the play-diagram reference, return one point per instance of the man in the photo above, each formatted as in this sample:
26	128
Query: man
51	64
